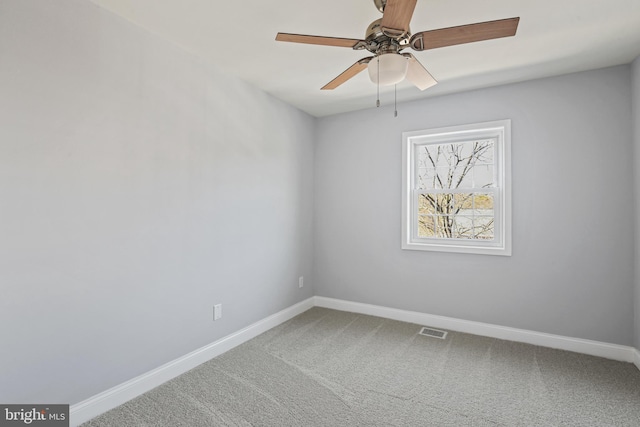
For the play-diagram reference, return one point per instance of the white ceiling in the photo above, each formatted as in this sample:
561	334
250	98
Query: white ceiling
554	37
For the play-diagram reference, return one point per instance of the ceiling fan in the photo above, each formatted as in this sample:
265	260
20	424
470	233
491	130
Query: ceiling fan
388	36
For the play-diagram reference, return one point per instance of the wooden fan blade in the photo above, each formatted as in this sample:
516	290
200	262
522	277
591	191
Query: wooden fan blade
417	74
464	34
396	17
321	40
348	73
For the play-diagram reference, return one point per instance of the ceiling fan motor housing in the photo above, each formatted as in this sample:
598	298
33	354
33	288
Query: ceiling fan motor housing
377	42
374	30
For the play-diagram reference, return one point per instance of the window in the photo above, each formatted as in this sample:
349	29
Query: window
456	189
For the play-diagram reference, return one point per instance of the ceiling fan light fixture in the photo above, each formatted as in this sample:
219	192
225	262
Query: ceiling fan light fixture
392	69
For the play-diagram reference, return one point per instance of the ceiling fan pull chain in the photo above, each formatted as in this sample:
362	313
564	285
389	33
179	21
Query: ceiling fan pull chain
395	100
378	85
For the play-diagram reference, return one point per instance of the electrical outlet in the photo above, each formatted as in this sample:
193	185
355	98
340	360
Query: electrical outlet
217	311
300	281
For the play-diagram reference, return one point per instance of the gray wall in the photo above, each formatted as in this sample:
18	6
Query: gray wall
572	270
138	187
636	134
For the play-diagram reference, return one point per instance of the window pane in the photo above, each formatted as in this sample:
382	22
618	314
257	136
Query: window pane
443	155
431	156
422	159
444	226
465	151
483	176
484	151
441	180
462	203
429	178
461	177
457	154
426	226
442	203
483	204
483	227
464	227
426	179
426	204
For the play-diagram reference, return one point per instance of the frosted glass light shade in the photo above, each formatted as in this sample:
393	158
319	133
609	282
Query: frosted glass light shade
393	69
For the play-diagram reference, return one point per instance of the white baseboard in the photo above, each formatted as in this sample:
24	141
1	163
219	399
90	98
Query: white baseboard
109	399
594	348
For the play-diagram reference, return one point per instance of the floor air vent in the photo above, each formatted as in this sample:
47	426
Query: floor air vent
435	333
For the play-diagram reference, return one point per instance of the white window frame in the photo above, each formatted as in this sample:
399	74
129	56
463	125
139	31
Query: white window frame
500	131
